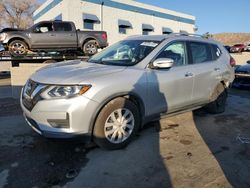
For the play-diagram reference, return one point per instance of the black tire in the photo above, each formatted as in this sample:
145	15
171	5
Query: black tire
49	61
90	48
18	48
104	116
219	104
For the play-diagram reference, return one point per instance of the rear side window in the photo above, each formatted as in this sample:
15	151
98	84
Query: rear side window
201	52
59	26
216	52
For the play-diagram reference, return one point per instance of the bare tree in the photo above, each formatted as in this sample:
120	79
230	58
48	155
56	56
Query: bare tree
17	13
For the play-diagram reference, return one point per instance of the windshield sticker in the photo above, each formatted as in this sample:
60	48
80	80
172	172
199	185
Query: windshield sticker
150	44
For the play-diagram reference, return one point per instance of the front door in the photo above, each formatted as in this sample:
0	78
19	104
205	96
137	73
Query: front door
171	89
42	36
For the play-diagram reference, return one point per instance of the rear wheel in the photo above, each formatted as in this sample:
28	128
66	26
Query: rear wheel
90	47
219	104
49	61
18	48
116	124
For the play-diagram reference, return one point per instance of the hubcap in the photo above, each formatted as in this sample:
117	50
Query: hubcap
119	125
18	48
91	49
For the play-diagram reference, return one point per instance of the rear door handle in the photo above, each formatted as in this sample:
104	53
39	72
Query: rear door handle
216	69
188	74
52	35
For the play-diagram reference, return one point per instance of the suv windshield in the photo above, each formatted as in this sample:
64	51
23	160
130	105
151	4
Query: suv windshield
125	53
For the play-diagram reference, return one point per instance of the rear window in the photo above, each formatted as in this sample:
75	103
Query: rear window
201	52
59	26
216	52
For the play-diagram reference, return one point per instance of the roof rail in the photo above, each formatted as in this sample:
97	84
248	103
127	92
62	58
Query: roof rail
190	34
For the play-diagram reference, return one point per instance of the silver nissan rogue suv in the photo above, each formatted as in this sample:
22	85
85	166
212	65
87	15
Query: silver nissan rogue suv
137	80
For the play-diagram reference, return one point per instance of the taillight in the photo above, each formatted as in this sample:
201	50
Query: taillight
232	61
104	36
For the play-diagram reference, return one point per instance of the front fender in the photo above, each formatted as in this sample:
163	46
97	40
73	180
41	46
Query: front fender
16	36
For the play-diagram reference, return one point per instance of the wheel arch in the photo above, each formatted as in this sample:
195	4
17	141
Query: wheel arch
214	94
21	39
88	39
133	97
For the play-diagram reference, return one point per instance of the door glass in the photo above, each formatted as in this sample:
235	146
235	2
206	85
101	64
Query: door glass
43	28
59	26
176	52
201	52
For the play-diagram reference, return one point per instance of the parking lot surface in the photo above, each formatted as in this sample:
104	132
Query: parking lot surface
189	150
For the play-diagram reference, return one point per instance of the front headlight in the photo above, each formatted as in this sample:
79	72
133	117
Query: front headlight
64	91
3	36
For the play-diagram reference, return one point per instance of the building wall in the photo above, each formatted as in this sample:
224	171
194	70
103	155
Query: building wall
73	10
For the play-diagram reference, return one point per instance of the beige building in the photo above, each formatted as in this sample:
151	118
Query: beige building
120	18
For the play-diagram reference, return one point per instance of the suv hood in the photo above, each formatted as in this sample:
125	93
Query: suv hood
73	72
10	29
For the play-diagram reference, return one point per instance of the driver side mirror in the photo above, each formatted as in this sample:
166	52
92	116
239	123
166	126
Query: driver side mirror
37	30
163	63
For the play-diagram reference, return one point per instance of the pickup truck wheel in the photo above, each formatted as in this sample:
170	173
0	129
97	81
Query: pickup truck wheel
116	124
218	106
90	47
18	47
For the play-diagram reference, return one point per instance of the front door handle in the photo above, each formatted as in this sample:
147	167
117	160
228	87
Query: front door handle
216	69
188	74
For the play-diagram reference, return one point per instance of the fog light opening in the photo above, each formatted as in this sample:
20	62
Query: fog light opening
59	123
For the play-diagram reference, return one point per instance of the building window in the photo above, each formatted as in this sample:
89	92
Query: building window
184	32
89	20
122	30
145	32
124	25
166	31
147	28
88	24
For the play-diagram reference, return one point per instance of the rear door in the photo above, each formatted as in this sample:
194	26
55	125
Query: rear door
64	35
206	69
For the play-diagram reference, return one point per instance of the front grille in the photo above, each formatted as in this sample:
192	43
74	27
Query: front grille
31	94
243	72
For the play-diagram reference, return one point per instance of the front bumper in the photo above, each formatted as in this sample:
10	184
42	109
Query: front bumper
2	47
77	111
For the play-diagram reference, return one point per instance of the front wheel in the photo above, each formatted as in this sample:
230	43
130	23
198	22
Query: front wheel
116	124
18	48
90	48
219	104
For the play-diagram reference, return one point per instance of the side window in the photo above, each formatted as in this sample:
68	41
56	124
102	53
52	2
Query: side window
43	28
175	51
216	52
61	26
201	52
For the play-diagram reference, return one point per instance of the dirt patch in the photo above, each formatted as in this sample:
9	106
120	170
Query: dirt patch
185	142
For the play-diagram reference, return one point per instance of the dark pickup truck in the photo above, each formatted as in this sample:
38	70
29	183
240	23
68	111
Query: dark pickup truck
52	36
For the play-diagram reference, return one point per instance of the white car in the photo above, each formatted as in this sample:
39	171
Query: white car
248	47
